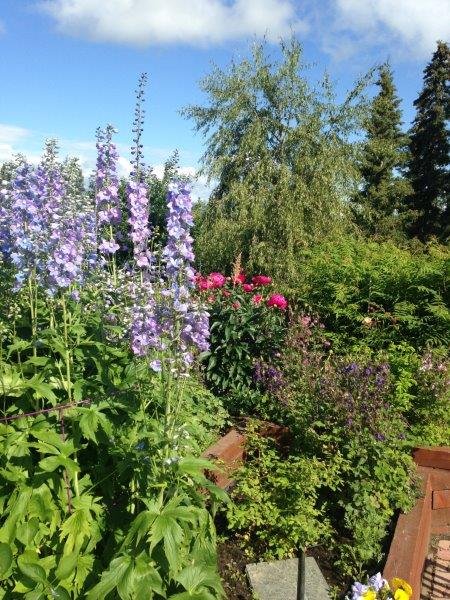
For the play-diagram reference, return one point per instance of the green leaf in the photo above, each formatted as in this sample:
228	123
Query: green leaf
5	559
60	593
146	578
32	570
110	578
51	463
66	566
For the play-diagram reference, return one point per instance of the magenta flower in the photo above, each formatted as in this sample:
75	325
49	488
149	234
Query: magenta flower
278	301
261	280
217	280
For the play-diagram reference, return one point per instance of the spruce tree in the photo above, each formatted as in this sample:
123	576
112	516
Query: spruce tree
378	205
430	148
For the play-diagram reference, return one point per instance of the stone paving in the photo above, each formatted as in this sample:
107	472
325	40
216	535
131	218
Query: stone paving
436	575
277	580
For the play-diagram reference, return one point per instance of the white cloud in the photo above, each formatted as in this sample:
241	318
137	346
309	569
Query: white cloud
152	22
10	135
411	26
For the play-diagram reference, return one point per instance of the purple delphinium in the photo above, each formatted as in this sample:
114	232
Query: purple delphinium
107	205
139	215
27	227
138	204
144	326
185	323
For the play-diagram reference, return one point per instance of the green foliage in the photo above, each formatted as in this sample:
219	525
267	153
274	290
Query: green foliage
428	169
282	153
378	293
376	483
379	205
275	506
349	413
101	498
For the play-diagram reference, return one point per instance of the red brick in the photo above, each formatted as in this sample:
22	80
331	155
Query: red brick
443	555
444	545
442	576
441	499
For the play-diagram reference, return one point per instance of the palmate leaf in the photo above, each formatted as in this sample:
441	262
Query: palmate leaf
194	577
110	578
146	579
166	528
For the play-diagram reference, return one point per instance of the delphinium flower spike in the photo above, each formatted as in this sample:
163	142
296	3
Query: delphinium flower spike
107	204
185	322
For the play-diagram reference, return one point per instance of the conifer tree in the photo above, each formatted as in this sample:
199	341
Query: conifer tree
377	207
430	147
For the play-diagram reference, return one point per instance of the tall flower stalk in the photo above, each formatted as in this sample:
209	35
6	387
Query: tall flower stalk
107	204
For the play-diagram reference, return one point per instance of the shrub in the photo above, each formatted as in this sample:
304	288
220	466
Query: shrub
275	506
377	293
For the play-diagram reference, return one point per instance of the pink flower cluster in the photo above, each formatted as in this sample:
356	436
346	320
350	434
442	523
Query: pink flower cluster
216	281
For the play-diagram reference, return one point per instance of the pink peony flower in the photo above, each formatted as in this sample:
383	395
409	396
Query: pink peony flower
236	305
261	280
203	284
277	300
256	299
217	280
226	293
248	287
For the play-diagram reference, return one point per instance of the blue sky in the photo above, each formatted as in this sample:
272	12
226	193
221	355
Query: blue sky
68	66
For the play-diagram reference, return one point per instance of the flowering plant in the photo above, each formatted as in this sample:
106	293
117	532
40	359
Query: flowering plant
103	491
377	588
248	324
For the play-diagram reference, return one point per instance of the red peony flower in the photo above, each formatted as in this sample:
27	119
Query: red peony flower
277	300
239	278
248	287
236	305
217	280
261	280
257	298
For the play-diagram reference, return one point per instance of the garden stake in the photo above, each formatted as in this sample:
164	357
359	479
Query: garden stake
301	575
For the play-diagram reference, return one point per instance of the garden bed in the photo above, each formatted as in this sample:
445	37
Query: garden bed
409	546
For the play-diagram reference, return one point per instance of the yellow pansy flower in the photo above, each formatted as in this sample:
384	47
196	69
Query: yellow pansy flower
401	595
401	588
369	595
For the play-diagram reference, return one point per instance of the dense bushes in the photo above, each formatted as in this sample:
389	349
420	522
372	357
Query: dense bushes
377	293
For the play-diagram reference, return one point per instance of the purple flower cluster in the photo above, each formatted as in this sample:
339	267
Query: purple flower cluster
186	323
269	377
107	203
26	225
46	241
139	218
144	326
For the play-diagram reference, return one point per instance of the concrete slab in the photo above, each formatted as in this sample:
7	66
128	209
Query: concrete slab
277	580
